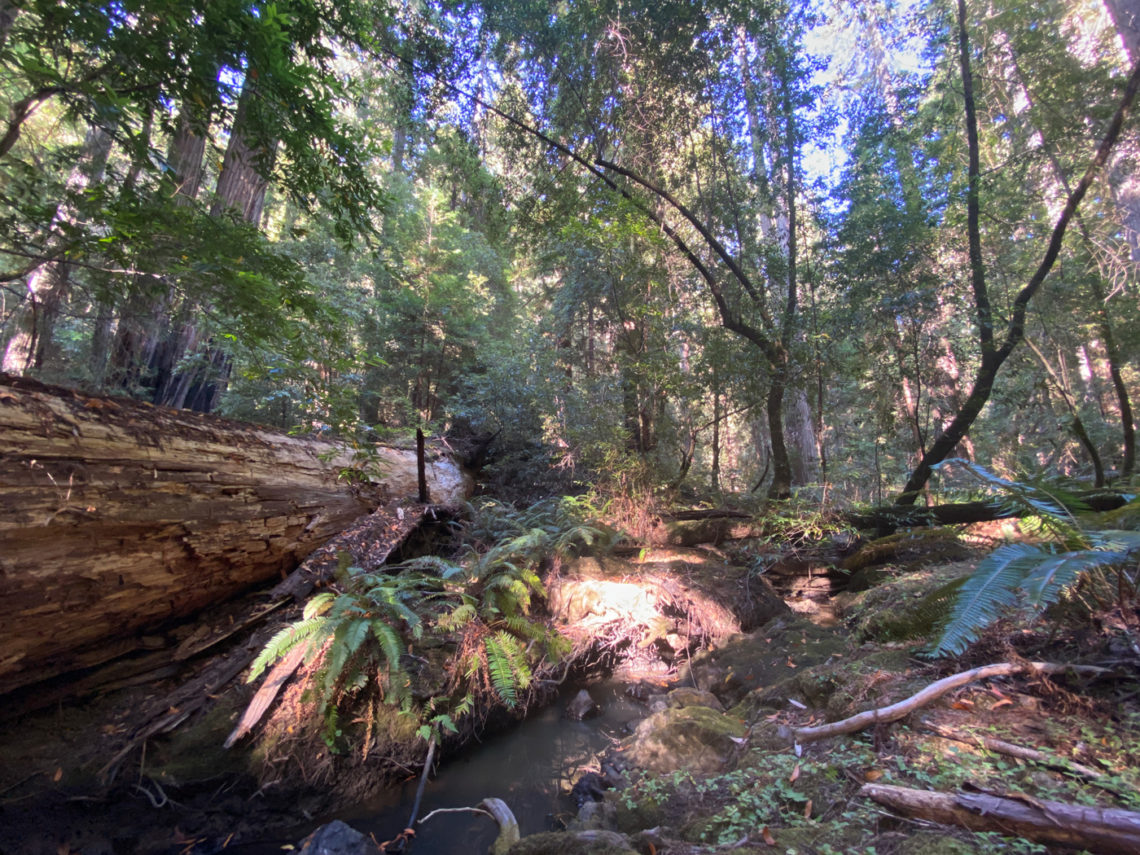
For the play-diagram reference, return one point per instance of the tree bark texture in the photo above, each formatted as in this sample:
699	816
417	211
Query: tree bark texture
116	516
8	12
247	165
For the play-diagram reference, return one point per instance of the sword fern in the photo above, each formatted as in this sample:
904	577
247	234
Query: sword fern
1029	577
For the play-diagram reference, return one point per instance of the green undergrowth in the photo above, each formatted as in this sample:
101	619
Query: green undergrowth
1029	577
810	802
438	639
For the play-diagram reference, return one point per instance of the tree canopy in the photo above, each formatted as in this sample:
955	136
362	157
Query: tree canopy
720	247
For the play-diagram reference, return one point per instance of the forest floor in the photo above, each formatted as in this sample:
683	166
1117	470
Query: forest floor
1031	738
831	657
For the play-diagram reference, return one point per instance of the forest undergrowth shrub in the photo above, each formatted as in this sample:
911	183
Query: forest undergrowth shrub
363	632
773	789
1065	558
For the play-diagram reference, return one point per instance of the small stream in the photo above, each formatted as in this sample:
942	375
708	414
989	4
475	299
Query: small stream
530	767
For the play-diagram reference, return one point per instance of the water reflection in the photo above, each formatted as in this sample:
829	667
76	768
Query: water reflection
529	767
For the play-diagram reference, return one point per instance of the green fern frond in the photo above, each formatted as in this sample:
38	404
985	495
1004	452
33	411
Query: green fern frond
391	603
465	705
433	564
347	639
318	604
522	627
502	667
1044	583
984	595
1049	506
1115	540
461	615
284	641
391	645
517	655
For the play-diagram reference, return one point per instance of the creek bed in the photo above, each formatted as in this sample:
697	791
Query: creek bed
530	767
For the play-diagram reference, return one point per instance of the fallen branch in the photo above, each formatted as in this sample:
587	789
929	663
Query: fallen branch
931	693
496	809
477	810
1000	746
1057	823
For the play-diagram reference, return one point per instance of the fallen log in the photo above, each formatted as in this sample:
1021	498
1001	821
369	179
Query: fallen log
367	544
117	516
1051	823
890	518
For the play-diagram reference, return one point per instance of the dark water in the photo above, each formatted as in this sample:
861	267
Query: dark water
529	767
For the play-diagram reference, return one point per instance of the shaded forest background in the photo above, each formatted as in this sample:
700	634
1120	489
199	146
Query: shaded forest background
708	247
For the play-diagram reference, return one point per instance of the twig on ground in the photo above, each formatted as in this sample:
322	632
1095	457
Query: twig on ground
1000	746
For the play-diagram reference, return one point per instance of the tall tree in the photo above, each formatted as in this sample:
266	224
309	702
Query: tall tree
993	353
47	285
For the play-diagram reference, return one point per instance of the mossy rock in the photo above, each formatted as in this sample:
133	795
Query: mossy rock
772	653
1126	518
697	739
686	696
900	610
840	688
645	813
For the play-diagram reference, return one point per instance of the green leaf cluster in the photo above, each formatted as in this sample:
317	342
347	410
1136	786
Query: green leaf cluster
1028	577
358	632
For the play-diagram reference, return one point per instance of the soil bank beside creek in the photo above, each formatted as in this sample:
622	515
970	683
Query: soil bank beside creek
180	792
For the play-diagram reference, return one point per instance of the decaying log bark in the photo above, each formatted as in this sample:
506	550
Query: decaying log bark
1076	826
366	544
116	516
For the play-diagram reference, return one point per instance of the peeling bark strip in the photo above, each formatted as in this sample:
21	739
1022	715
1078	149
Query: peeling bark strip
116	516
1056	823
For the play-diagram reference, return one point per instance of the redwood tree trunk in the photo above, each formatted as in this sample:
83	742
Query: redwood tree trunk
32	340
116	516
246	167
8	12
